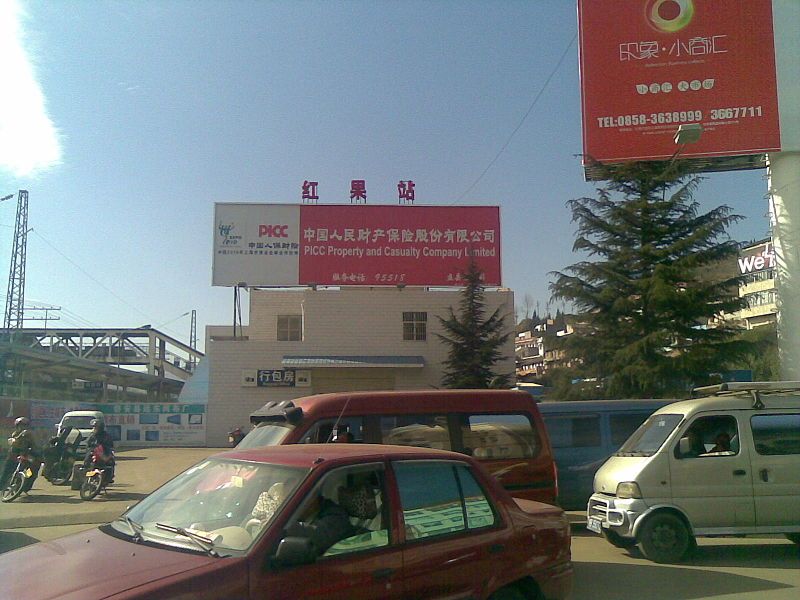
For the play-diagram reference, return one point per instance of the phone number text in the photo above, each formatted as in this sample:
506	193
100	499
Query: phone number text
683	116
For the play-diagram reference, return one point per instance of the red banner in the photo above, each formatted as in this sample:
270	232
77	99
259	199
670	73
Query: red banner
649	66
397	245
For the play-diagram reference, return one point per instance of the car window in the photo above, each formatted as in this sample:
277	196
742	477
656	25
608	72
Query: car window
646	440
423	431
345	512
574	431
324	430
776	434
267	434
623	425
707	437
499	436
436	510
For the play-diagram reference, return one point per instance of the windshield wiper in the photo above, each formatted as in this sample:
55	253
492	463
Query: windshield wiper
201	541
136	528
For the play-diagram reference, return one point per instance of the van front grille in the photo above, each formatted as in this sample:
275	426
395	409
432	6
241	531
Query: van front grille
598	508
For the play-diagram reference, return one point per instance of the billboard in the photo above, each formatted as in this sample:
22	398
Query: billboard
263	245
649	66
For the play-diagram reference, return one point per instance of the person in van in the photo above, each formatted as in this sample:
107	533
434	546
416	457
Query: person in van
722	443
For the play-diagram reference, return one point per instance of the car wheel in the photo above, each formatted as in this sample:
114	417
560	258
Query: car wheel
793	537
508	593
615	539
664	538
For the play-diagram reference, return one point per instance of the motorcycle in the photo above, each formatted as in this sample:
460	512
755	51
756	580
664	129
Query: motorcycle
98	475
235	436
60	456
22	478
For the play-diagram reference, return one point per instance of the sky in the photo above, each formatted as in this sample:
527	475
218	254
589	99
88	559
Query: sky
126	121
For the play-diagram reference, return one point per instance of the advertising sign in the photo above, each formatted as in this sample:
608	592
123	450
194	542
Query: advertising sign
757	258
649	66
134	424
341	245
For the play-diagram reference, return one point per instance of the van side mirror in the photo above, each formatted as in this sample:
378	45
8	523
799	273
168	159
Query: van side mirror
295	550
684	447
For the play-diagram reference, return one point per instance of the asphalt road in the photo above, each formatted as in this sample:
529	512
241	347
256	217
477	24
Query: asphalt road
766	568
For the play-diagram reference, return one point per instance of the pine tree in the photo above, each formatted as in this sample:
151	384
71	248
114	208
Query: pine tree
475	342
653	284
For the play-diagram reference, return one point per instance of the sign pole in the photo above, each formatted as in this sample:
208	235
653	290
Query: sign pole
784	193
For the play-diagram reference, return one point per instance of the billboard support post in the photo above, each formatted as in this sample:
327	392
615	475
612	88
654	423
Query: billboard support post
784	192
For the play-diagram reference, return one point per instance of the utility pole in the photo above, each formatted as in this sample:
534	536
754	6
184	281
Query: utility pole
16	275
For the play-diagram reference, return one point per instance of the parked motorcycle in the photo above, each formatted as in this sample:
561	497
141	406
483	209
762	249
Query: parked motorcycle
60	455
22	478
235	436
98	475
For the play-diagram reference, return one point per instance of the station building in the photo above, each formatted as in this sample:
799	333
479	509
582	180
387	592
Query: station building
304	341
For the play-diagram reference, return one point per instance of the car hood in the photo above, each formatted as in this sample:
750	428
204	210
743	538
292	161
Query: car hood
618	469
89	565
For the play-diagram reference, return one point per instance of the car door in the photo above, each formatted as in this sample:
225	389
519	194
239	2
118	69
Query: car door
363	563
714	489
446	555
776	468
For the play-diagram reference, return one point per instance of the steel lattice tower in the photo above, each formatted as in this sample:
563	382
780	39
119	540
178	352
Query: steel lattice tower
16	275
193	340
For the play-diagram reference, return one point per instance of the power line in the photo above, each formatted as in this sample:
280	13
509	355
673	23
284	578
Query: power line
525	116
85	272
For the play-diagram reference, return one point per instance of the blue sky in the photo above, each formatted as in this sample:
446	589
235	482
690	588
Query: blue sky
139	116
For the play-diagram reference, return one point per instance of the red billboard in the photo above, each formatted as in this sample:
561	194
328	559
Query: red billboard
649	66
343	245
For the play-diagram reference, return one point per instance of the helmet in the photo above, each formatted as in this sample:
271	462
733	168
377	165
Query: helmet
98	424
22	422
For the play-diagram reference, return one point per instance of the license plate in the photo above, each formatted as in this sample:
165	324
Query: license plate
593	524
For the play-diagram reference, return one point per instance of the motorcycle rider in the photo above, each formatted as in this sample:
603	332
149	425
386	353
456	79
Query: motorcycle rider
20	442
100	437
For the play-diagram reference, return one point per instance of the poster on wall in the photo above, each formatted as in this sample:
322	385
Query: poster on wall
649	66
133	423
353	245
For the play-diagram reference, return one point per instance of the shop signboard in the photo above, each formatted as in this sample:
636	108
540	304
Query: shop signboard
650	66
353	245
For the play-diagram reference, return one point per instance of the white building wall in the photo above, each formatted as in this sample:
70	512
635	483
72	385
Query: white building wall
351	321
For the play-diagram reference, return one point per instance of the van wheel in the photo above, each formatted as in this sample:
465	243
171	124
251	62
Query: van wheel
616	540
664	538
793	537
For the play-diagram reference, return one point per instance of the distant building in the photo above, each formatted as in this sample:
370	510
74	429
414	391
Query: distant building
538	351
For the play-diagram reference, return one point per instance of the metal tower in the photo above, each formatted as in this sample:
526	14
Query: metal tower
193	341
16	275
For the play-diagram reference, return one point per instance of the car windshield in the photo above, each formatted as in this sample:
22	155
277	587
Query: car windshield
267	434
78	422
646	440
218	506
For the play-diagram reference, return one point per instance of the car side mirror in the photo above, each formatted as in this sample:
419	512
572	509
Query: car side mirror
684	447
295	550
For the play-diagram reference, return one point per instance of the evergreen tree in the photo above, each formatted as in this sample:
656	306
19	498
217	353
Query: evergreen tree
653	284
475	342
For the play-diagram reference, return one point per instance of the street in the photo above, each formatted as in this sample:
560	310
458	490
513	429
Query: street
766	568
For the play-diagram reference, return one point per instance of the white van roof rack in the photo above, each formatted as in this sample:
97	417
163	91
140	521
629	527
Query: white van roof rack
747	386
755	389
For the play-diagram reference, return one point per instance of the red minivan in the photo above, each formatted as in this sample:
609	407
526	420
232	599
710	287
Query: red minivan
501	428
332	521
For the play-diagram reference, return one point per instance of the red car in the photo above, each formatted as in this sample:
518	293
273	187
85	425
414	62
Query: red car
327	521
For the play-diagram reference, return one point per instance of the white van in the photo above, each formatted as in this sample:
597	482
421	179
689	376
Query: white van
728	464
82	421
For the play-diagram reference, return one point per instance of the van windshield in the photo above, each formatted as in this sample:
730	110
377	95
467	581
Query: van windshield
646	440
266	434
78	422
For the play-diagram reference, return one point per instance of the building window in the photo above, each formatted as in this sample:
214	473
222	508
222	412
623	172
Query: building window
290	328
415	326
